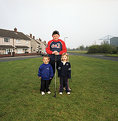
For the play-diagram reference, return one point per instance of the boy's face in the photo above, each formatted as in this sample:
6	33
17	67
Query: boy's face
46	60
64	58
55	36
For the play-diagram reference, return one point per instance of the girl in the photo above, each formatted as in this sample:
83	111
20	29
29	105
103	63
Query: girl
64	73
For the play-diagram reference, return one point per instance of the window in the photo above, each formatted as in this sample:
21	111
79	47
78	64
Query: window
27	42
17	41
6	40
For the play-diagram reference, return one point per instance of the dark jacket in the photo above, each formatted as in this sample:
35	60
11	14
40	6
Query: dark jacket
45	71
64	70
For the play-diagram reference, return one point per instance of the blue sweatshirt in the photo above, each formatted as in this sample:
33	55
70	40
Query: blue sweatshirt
45	71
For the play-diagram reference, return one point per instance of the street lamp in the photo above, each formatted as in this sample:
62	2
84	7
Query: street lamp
65	39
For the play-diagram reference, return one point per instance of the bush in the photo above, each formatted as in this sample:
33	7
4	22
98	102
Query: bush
117	49
104	48
94	49
114	50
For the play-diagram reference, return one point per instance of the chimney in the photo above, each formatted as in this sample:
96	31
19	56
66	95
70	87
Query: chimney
15	29
31	35
39	39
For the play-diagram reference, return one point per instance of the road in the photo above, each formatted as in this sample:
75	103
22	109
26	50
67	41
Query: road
5	59
97	56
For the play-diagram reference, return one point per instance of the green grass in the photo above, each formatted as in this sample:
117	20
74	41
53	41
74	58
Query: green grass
94	95
79	51
112	55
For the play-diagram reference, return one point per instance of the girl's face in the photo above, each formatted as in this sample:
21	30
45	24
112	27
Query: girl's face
56	36
64	58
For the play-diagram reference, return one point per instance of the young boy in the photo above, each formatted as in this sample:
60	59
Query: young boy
45	73
55	48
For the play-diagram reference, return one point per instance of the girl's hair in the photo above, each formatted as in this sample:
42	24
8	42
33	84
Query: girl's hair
65	55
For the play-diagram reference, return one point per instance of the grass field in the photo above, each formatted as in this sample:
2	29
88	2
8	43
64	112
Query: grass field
94	95
112	55
78	51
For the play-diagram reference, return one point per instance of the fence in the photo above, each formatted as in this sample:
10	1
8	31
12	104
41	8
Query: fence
24	54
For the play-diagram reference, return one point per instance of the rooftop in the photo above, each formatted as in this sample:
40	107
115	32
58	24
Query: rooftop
13	34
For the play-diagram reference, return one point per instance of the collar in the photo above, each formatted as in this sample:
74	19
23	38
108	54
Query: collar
63	63
46	64
56	40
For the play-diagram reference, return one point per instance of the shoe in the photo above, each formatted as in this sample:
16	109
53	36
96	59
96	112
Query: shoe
60	93
43	93
68	93
49	92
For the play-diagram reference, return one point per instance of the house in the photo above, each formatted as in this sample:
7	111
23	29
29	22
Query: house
42	46
14	42
37	45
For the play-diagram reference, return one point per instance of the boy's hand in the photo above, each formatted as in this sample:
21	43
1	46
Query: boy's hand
55	52
39	77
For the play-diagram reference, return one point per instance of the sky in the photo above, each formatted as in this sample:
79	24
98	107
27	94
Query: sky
80	22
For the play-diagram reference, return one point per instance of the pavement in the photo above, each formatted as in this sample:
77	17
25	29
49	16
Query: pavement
96	56
5	59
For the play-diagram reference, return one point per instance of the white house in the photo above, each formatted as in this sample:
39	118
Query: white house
37	45
14	41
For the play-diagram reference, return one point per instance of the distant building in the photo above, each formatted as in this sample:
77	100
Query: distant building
14	41
114	41
17	42
42	46
37	45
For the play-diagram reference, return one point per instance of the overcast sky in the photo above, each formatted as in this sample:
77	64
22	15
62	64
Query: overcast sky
84	22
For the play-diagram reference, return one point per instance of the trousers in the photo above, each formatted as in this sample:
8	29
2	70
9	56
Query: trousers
44	85
52	62
64	81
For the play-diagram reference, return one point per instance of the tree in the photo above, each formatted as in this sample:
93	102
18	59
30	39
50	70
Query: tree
81	47
104	48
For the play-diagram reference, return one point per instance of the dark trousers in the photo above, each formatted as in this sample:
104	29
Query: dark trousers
64	84
63	81
44	85
52	62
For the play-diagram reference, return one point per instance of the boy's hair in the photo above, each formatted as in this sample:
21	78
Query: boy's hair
55	32
65	55
46	56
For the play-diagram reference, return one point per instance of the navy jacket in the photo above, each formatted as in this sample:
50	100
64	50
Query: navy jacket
45	71
64	70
